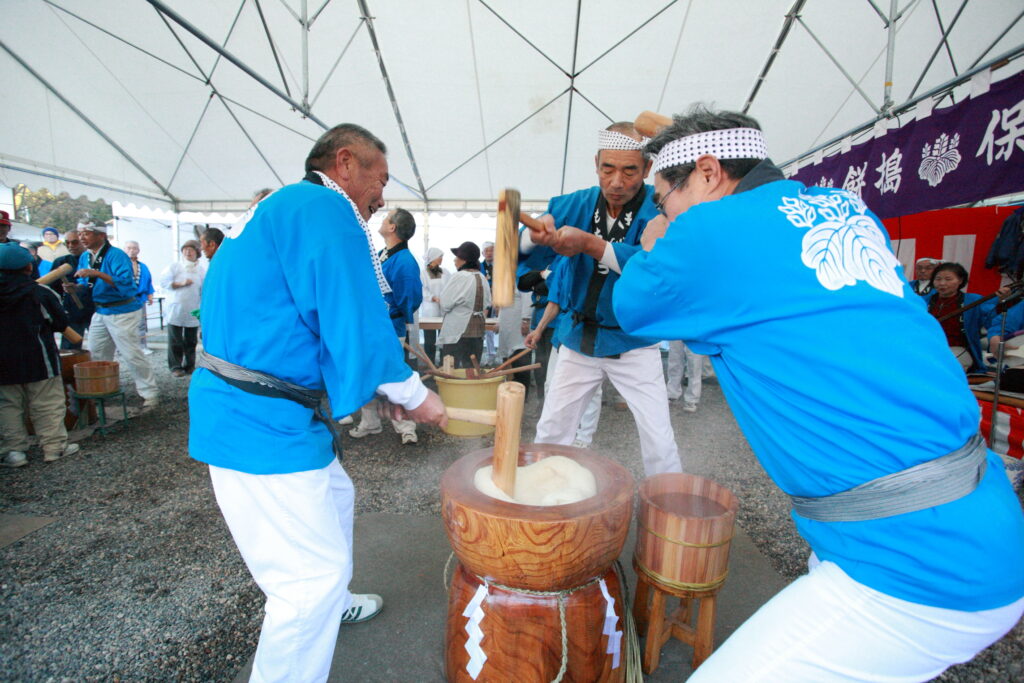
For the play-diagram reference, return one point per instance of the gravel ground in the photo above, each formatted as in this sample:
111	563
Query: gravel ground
138	579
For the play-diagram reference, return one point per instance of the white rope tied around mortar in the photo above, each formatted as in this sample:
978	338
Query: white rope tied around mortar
632	655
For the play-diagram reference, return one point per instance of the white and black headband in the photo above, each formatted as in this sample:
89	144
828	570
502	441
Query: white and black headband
609	139
731	143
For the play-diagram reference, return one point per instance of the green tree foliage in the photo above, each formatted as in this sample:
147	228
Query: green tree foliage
42	208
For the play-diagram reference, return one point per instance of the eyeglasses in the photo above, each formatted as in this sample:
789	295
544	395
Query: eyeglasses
661	205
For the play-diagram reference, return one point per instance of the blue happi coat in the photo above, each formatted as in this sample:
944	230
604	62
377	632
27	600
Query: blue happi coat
118	265
577	209
406	295
837	375
279	302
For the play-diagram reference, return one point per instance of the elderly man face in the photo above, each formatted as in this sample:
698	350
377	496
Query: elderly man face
132	249
620	173
924	270
488	252
73	243
363	170
209	247
92	239
5	229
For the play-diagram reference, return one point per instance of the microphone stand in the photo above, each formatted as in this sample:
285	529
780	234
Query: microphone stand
1016	291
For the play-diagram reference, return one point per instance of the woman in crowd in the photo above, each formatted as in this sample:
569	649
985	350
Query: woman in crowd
464	299
434	279
963	331
184	281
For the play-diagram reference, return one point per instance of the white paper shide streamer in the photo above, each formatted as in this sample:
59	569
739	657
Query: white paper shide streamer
474	614
611	621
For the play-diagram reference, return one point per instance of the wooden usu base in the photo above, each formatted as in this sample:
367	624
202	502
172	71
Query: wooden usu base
522	547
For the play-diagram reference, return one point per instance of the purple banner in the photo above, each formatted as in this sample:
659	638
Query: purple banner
970	151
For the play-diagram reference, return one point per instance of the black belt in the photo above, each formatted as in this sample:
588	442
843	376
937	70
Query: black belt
262	384
588	342
114	304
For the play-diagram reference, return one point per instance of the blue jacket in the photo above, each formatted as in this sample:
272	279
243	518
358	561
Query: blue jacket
403	275
279	302
837	375
577	209
118	266
145	282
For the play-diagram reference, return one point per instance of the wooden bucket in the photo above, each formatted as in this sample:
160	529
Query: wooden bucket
478	394
68	359
684	528
97	377
516	548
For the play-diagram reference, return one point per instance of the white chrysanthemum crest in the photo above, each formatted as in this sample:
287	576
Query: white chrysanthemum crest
843	245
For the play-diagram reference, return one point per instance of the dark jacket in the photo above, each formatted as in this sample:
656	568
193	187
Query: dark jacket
29	316
75	314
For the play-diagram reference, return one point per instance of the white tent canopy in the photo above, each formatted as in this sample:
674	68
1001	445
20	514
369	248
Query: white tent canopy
194	105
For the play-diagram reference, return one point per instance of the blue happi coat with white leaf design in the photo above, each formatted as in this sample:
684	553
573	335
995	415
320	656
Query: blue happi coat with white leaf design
837	375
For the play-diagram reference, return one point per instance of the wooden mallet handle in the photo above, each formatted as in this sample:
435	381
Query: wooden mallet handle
55	274
648	123
480	417
506	249
511	397
72	336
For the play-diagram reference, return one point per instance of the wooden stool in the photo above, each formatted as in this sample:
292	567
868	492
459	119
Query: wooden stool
651	620
100	401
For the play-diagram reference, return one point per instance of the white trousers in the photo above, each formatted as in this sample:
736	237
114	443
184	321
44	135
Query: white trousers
680	359
591	414
295	534
121	331
638	378
827	628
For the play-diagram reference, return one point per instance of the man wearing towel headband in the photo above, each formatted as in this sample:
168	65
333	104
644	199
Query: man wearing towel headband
917	537
610	218
280	335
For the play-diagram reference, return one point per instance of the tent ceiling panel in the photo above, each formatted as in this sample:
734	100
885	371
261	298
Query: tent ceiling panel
482	86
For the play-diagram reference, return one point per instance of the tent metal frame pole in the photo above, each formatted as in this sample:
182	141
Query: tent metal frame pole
839	66
948	85
304	23
213	45
949	50
216	93
998	38
89	122
317	13
391	94
273	48
525	39
86	183
625	37
890	54
341	56
791	16
572	90
935	52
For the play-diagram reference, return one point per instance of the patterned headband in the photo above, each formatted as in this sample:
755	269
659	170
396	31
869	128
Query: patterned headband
731	143
609	139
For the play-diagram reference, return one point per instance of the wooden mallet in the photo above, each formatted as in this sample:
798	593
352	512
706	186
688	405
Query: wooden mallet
506	249
507	420
649	123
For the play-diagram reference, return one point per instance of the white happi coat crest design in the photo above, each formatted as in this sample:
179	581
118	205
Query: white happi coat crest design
843	244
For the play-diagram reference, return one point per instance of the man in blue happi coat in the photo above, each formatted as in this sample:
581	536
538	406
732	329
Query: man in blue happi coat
916	535
403	275
287	323
600	227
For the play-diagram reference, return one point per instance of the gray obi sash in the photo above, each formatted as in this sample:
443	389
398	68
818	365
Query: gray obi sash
262	384
936	482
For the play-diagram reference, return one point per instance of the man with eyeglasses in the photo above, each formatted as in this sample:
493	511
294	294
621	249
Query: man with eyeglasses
600	229
905	509
79	316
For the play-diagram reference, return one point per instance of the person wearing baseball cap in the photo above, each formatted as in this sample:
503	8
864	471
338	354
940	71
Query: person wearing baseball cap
107	271
5	227
30	372
464	302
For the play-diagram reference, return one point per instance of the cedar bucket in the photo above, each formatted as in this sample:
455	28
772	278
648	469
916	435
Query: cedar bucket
526	555
97	377
684	528
478	394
